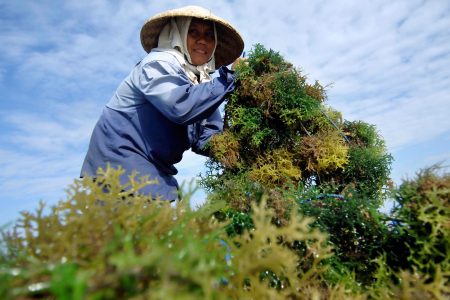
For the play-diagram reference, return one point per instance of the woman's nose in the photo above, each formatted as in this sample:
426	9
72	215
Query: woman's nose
201	39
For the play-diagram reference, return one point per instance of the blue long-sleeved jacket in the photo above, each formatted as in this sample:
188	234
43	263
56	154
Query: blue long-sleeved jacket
155	115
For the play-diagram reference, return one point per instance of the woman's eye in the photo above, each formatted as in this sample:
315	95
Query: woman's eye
210	35
194	33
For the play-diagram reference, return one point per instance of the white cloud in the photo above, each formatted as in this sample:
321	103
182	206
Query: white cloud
57	128
401	126
443	158
42	153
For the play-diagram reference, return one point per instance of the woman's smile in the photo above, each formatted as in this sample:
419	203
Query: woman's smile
200	41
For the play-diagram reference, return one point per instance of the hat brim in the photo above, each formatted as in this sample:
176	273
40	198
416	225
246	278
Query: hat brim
229	42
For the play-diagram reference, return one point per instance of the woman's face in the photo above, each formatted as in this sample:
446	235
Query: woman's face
200	41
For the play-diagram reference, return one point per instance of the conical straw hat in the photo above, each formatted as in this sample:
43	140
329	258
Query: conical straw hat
229	42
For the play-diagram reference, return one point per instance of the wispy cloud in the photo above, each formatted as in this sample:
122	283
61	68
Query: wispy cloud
57	129
41	153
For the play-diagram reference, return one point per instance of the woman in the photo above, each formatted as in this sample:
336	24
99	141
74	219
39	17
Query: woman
169	102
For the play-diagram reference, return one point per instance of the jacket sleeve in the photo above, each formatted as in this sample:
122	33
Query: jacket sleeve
200	132
172	93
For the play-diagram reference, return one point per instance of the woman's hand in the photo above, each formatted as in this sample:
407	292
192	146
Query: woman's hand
238	61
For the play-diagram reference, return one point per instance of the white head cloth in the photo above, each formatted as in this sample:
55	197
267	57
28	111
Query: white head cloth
173	39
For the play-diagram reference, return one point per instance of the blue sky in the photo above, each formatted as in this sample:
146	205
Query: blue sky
388	64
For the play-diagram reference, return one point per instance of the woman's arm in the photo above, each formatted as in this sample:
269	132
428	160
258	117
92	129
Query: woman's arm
171	92
201	132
